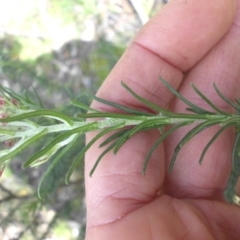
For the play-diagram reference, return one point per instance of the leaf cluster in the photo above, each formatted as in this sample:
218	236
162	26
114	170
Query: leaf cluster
22	127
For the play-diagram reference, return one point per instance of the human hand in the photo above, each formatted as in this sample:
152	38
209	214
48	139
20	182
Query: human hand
202	39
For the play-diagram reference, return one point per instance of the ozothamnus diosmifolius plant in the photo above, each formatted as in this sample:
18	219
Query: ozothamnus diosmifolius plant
20	127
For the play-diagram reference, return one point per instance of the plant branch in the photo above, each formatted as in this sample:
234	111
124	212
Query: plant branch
24	122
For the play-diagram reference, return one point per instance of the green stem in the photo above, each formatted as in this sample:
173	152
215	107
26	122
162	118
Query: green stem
110	122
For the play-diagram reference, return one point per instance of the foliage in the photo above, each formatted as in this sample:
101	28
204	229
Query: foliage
55	83
40	48
22	74
21	127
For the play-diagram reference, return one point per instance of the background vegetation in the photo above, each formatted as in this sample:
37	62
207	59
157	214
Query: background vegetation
63	49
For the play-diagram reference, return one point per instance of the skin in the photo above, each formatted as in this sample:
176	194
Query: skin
187	41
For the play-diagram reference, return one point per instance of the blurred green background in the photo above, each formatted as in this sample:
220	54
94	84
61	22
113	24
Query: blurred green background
63	49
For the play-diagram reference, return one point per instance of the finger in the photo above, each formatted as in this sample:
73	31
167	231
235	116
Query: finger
208	180
171	43
165	47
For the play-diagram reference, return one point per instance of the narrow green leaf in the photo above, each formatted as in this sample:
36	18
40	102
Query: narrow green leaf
145	101
211	141
40	103
196	111
110	115
200	127
151	123
27	99
225	98
159	141
230	190
84	150
83	106
56	159
11	93
113	137
21	145
7	132
51	152
207	100
198	117
177	94
121	107
8	92
39	113
108	149
235	150
58	139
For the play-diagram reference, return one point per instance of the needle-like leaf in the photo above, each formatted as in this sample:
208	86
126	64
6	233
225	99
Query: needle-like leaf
212	140
83	106
84	150
207	100
121	107
56	141
10	94
108	149
56	159
177	94
113	137
39	113
235	149
159	141
20	125
225	98
200	127
110	115
140	127
230	190
145	101
20	146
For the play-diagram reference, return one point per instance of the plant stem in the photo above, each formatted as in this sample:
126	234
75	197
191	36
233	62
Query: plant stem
30	129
